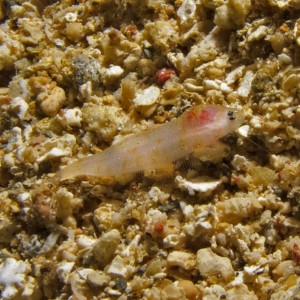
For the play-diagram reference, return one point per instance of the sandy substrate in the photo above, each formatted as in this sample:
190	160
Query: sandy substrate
77	77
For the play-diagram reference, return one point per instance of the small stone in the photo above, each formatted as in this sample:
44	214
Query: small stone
145	103
211	264
121	284
189	289
148	97
181	259
104	249
284	269
51	104
98	279
74	31
172	292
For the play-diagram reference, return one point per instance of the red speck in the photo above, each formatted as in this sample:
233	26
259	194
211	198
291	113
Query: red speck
296	254
163	75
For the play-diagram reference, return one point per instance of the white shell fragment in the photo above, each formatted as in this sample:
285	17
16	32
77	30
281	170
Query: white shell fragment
71	17
148	97
234	75
146	102
200	184
217	85
58	148
50	242
20	106
244	131
54	152
64	271
259	33
114	71
73	116
245	87
187	10
240	162
157	195
13	277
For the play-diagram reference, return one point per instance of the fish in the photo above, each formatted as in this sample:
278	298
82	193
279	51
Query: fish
197	131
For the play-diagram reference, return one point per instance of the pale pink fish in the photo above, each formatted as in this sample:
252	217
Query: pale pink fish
196	131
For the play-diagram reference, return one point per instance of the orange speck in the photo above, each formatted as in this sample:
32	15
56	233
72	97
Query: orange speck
158	227
131	30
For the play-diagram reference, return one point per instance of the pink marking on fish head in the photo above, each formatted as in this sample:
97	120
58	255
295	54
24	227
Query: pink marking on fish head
200	117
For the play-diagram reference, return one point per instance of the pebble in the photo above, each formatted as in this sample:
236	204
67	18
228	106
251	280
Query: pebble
53	102
98	279
104	249
211	264
181	259
189	289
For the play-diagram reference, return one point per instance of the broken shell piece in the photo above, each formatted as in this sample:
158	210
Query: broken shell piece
245	87
73	116
84	241
244	131
216	85
258	34
240	163
64	270
19	106
173	240
234	75
186	11
50	242
145	103
119	267
199	184
157	195
13	275
54	152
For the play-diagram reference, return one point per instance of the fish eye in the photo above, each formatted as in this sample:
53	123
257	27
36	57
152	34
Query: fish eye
231	115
